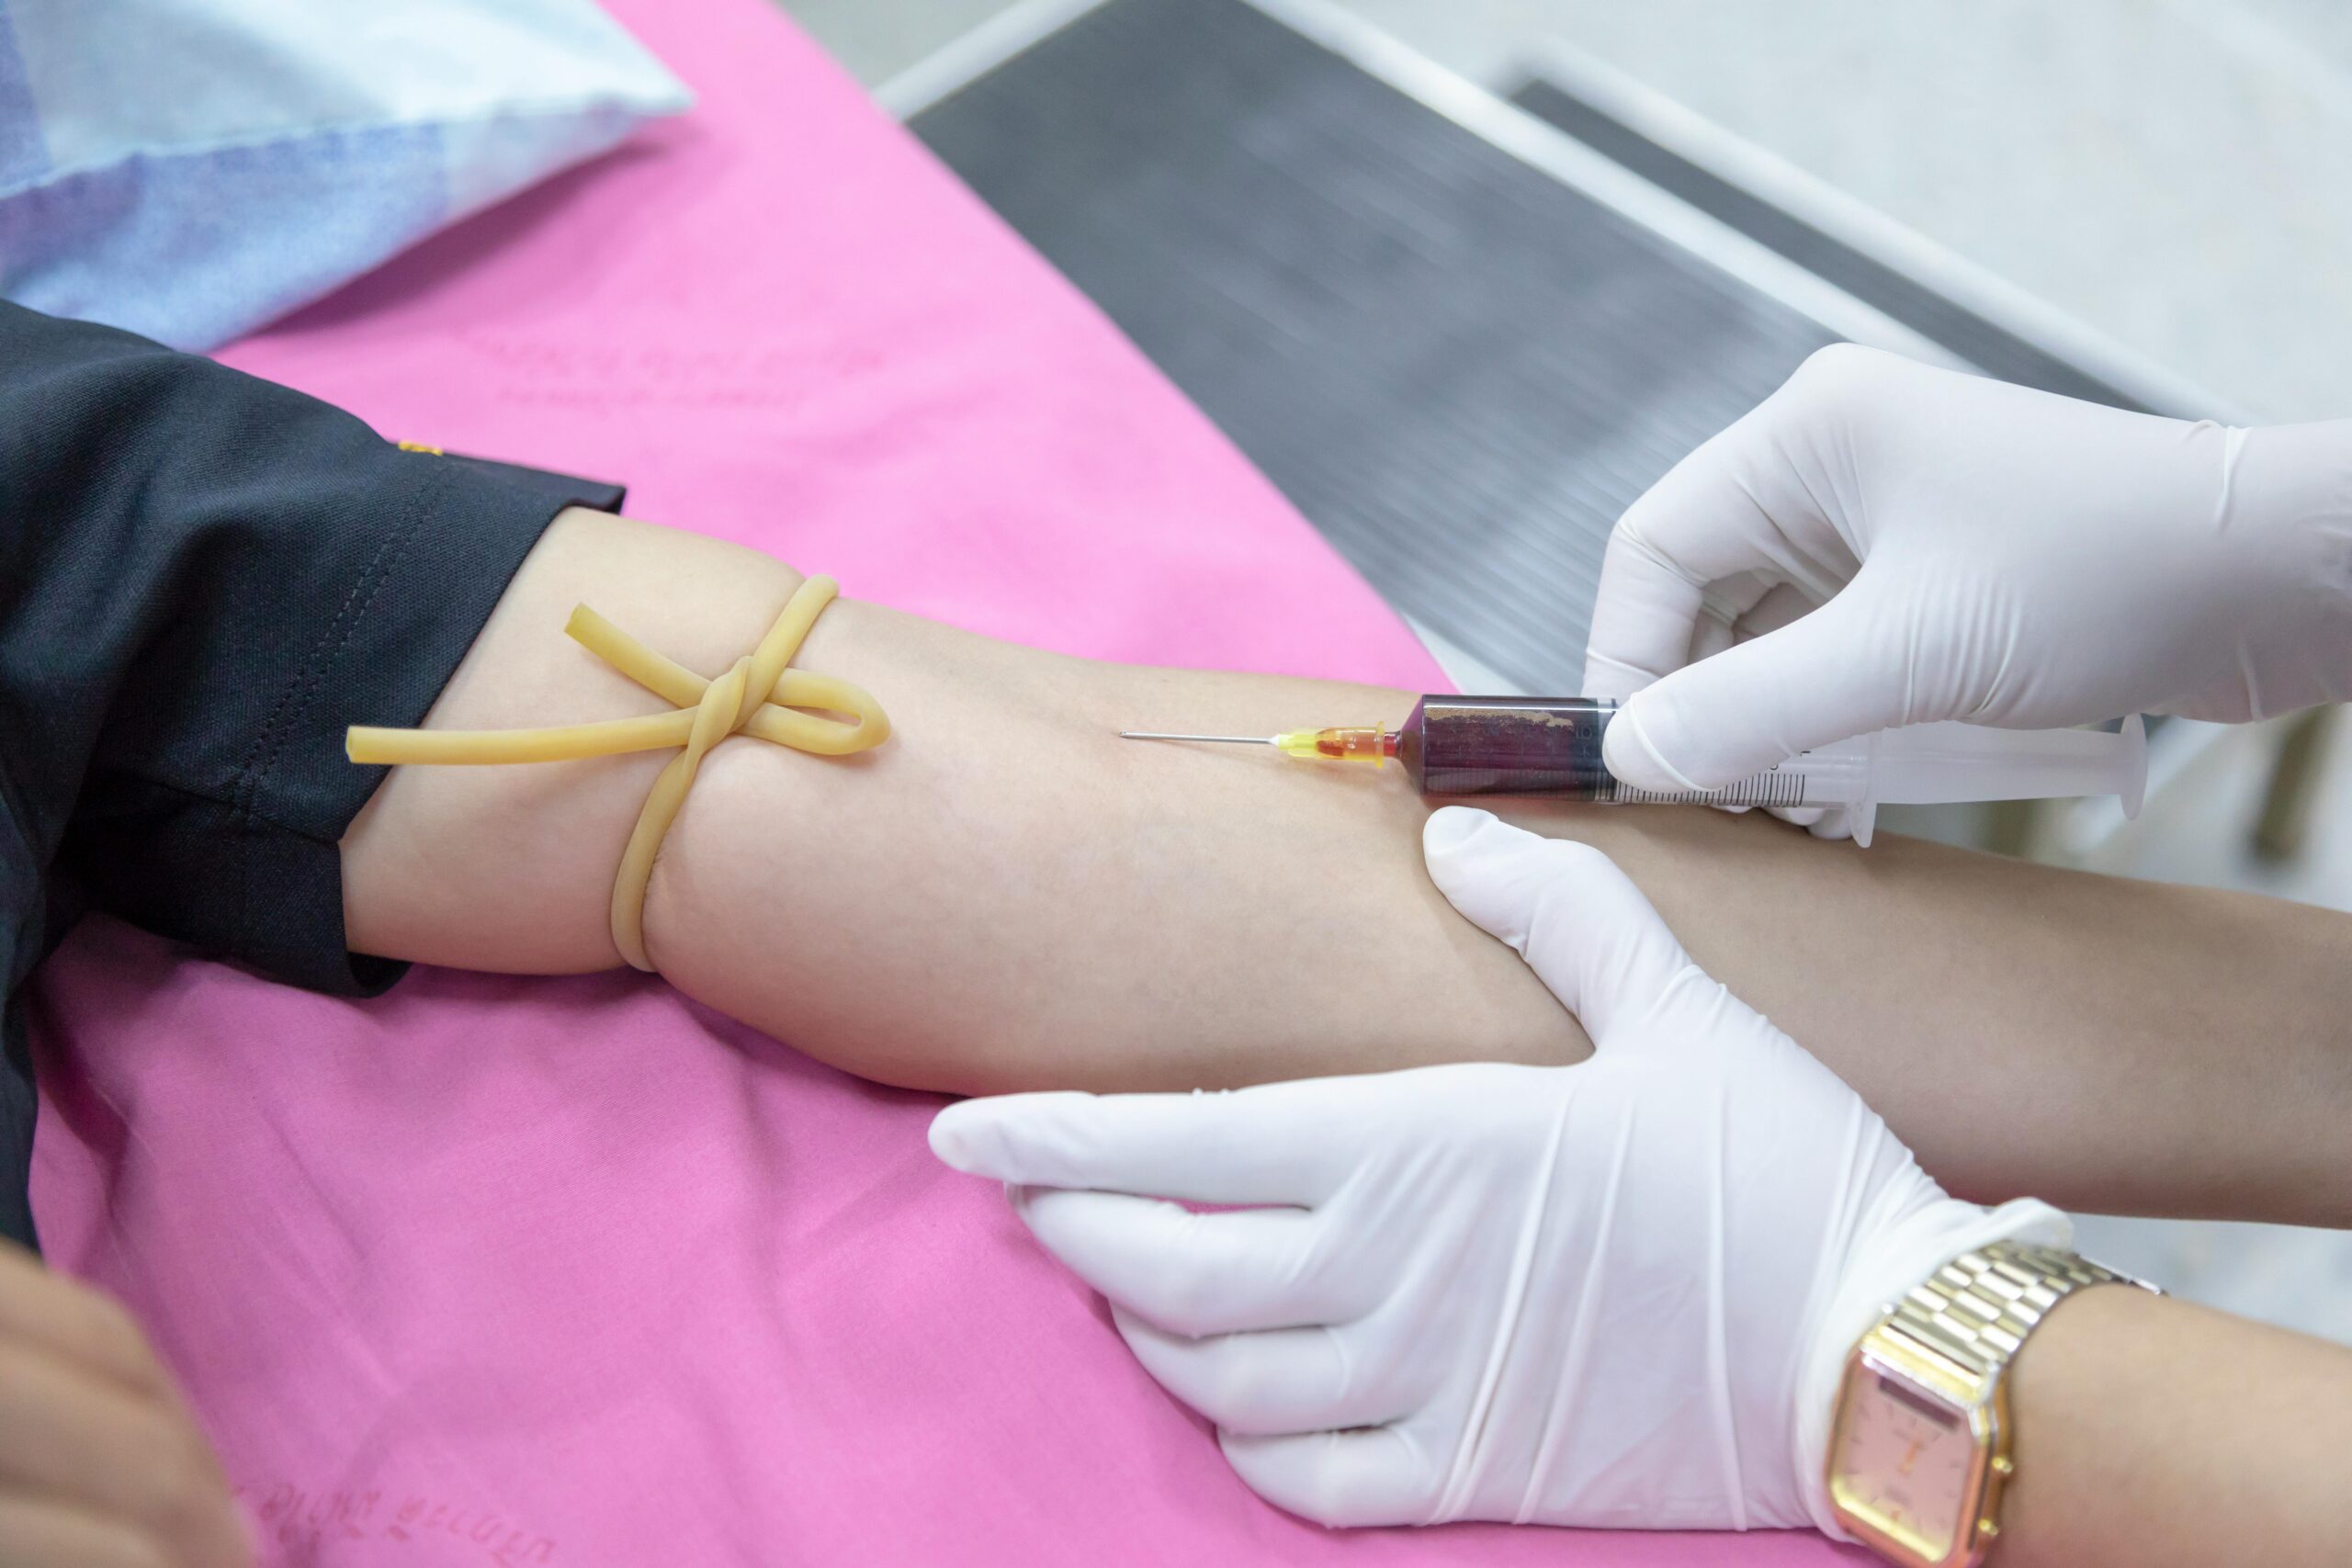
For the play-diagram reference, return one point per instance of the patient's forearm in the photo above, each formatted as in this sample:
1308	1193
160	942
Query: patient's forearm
1003	893
2122	1046
1005	896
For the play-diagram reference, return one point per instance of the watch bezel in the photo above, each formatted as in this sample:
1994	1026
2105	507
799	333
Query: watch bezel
1885	1351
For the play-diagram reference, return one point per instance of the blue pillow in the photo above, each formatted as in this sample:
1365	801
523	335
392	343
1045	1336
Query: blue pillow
190	169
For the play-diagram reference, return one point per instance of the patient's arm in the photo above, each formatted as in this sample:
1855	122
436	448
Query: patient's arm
1005	896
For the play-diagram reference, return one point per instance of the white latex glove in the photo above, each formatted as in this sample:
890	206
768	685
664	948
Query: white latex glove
1966	549
1614	1294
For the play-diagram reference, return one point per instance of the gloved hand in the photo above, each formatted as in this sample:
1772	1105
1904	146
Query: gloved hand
1967	550
1612	1295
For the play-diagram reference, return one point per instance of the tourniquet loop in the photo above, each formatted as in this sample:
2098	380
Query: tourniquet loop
758	697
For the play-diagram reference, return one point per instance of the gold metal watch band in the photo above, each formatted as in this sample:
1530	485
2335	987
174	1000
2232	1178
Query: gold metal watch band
1976	1309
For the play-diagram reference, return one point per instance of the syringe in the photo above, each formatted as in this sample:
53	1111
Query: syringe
1549	748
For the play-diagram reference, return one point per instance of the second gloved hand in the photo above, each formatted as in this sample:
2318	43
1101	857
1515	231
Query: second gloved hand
1881	543
1612	1295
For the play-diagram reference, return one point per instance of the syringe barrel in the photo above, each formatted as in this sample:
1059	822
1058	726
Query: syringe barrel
1538	746
1550	747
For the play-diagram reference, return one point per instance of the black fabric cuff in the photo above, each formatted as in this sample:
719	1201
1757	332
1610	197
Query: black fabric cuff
268	863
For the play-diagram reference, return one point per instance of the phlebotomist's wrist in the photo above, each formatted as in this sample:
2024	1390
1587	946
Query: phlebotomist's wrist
1922	1435
1888	1256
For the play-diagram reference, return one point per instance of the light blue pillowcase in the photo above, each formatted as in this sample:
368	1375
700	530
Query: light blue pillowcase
190	169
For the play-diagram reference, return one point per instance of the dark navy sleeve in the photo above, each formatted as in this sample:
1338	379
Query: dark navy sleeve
203	578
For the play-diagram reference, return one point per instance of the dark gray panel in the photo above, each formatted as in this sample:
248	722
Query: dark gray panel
1459	368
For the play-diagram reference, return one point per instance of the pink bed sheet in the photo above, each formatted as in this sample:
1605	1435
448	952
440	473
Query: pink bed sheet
519	1272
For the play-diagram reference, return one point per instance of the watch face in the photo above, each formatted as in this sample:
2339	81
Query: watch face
1904	1461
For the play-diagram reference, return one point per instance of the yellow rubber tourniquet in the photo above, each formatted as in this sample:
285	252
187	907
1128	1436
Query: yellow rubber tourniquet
756	698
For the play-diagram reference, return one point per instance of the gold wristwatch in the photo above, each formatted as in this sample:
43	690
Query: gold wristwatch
1920	1450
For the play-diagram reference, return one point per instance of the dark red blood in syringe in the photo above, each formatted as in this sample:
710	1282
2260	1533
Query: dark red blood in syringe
1547	746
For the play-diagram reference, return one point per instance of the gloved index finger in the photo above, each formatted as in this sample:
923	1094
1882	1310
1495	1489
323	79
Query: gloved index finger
1734	506
1644	616
1251	1146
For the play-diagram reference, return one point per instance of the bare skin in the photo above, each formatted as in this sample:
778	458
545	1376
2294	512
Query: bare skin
2158	1434
101	1462
1007	897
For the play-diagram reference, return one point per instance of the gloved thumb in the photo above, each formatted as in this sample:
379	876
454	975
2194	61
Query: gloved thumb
1581	923
1823	678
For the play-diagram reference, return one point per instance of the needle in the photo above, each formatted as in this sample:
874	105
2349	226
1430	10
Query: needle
1372	745
1227	739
